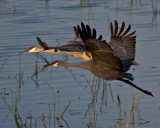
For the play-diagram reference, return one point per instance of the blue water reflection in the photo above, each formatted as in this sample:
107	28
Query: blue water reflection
26	92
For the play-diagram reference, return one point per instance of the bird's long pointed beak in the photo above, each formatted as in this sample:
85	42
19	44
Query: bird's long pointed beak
27	50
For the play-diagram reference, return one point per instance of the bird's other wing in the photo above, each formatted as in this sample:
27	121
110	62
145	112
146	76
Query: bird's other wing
77	39
70	46
77	36
76	32
43	44
101	52
123	44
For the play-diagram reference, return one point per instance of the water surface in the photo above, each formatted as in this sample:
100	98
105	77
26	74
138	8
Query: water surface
40	97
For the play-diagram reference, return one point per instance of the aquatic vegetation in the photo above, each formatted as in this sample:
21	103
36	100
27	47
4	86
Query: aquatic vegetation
3	64
131	120
26	100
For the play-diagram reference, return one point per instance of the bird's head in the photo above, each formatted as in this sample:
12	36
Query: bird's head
33	49
56	63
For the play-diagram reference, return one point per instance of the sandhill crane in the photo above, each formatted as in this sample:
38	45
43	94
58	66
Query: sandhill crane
110	61
77	47
74	47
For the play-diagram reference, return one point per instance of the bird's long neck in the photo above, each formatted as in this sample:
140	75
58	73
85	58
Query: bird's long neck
84	65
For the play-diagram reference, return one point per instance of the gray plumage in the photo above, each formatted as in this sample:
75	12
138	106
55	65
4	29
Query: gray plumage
104	59
106	62
75	45
123	44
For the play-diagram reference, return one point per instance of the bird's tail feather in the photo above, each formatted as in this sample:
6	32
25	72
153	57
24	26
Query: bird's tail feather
128	76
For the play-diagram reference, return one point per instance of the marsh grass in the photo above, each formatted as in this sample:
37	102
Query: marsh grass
19	77
132	113
37	70
43	120
155	11
111	91
20	74
6	102
34	77
29	121
26	122
84	1
94	87
119	111
58	114
4	63
38	55
123	122
12	107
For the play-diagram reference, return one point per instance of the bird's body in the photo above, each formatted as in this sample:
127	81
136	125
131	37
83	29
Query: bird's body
110	73
105	56
110	61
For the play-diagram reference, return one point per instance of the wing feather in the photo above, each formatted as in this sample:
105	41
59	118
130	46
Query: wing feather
123	45
127	30
76	32
43	44
88	31
101	52
116	28
111	29
122	28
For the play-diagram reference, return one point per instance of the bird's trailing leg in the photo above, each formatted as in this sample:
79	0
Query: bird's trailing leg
130	83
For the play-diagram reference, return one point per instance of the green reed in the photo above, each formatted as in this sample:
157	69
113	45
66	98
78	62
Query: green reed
132	112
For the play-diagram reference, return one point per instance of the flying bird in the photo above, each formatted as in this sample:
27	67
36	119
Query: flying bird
74	47
110	61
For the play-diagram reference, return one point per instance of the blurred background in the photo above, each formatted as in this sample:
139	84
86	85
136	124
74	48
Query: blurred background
71	97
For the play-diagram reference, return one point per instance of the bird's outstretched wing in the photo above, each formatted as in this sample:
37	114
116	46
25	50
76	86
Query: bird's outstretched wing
43	44
101	52
76	32
70	46
77	39
123	44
